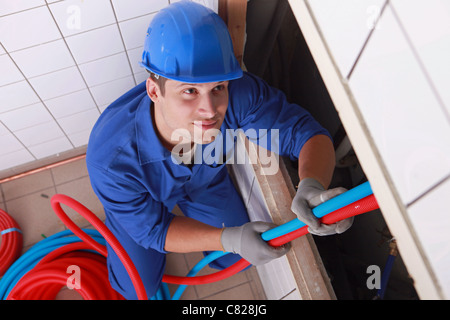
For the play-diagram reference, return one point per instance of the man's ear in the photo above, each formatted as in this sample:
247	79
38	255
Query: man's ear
153	90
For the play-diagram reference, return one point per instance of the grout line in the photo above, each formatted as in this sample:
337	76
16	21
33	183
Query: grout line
226	289
255	285
367	40
3	197
23	145
41	101
33	192
250	193
76	65
430	189
28	9
123	42
287	294
53	177
421	65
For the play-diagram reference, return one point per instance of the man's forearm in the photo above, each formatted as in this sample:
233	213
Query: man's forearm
189	235
317	160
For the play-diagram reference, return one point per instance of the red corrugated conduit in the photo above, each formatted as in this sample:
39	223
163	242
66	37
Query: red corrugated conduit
45	280
11	245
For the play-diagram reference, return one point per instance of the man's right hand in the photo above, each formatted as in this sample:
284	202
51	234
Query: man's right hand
247	242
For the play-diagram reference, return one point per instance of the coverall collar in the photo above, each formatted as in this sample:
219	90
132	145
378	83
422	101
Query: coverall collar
150	148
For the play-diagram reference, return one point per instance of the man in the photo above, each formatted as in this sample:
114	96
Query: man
195	92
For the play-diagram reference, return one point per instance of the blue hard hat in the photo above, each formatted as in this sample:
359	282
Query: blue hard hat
190	43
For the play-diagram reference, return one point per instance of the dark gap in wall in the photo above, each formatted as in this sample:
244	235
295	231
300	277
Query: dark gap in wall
277	52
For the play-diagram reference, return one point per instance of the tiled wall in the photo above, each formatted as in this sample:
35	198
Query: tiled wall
394	56
276	276
61	64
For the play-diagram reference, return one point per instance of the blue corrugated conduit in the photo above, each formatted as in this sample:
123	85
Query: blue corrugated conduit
46	246
30	258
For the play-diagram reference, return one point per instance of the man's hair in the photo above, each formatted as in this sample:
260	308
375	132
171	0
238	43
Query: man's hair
160	81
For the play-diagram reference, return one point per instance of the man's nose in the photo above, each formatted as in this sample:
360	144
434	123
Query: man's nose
207	108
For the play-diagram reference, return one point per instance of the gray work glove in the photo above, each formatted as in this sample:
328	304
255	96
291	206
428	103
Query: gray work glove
247	242
310	194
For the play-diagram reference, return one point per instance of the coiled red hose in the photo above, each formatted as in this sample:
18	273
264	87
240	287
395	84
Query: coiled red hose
46	279
104	231
117	247
12	241
364	205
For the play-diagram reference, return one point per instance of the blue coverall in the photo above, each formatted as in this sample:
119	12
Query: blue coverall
139	183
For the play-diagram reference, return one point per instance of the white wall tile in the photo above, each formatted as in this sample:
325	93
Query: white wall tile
431	220
212	4
40	133
428	27
25	117
3	130
103	107
9	143
401	111
141	76
80	138
276	278
79	122
106	69
345	25
71	103
135	56
75	16
56	57
28	28
134	31
127	9
8	6
43	59
50	148
110	91
102	42
15	158
58	83
16	95
9	72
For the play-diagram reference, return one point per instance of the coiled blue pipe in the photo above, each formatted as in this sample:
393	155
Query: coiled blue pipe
30	258
199	266
27	261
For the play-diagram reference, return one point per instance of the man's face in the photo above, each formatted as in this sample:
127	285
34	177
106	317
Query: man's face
188	112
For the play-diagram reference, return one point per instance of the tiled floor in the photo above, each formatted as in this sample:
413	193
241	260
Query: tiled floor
27	200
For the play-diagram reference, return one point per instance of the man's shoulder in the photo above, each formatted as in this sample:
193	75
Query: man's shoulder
115	126
243	83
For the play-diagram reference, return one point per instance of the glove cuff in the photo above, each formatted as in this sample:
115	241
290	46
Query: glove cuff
231	239
310	183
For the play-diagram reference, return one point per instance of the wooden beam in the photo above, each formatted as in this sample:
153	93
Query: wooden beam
275	192
234	13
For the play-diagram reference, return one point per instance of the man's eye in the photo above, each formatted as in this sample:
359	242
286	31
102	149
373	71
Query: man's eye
189	91
219	87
